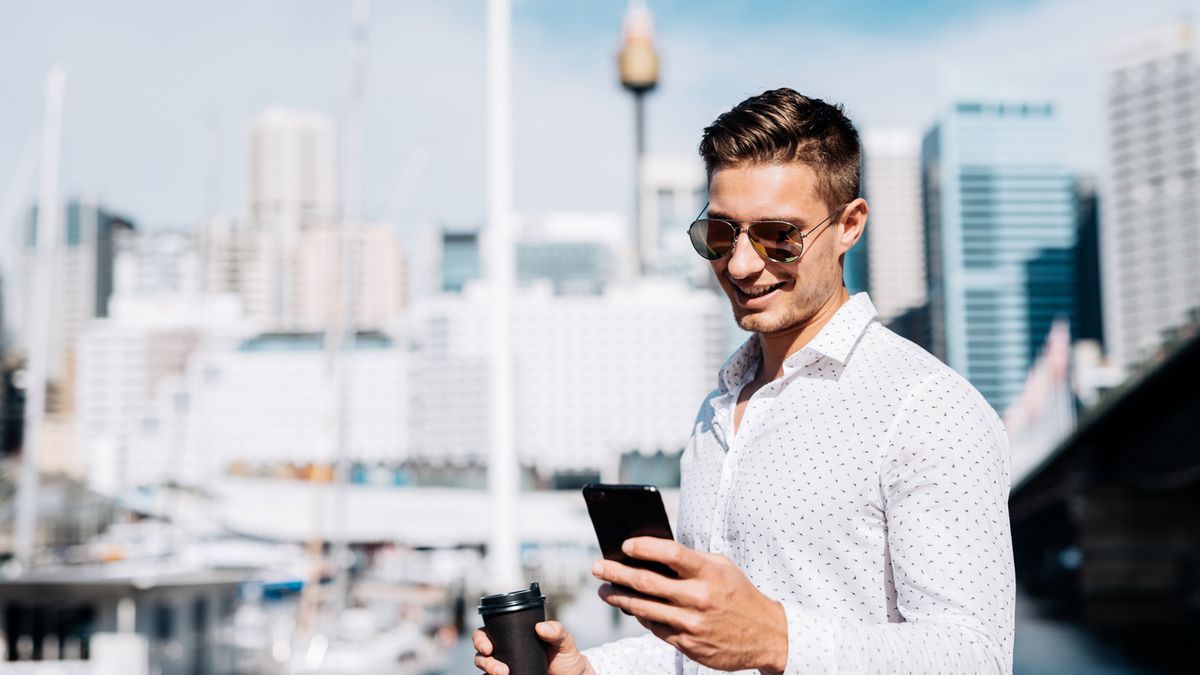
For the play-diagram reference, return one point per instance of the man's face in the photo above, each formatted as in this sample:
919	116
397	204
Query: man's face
771	297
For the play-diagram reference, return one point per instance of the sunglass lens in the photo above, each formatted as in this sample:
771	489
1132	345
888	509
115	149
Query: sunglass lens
712	239
778	241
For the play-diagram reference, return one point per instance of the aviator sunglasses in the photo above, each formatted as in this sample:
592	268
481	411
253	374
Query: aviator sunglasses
774	240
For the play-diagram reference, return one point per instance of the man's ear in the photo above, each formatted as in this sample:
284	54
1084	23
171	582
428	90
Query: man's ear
853	224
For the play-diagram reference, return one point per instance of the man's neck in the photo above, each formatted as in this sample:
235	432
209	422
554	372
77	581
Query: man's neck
777	347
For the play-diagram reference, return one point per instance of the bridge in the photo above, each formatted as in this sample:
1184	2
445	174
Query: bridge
1108	526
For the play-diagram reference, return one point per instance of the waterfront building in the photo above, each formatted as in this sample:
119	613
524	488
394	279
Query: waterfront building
603	375
133	618
269	400
643	354
131	393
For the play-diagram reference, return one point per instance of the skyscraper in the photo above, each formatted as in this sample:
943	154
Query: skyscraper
1151	228
290	171
1000	230
291	168
895	238
83	270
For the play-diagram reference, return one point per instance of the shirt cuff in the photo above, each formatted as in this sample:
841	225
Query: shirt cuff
812	641
643	654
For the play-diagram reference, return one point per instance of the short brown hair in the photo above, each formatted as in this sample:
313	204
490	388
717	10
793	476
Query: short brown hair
780	126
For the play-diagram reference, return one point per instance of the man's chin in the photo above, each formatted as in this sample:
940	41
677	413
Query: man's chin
756	323
766	323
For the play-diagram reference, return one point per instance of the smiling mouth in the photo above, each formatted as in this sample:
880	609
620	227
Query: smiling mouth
745	295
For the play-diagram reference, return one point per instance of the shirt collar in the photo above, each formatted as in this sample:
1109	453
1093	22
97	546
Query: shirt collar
838	338
836	341
741	366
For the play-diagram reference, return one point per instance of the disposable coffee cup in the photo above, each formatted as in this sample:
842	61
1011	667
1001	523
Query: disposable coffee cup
509	619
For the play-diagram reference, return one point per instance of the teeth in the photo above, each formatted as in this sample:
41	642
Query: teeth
752	294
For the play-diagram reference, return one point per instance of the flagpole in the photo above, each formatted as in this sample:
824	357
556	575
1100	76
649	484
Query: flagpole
503	552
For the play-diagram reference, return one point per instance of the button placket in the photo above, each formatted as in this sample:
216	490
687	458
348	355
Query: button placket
729	466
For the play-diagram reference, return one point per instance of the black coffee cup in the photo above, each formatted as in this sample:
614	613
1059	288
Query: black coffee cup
509	619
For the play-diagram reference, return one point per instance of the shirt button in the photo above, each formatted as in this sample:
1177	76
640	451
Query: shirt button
714	545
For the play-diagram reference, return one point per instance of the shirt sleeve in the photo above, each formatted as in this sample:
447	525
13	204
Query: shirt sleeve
944	483
644	655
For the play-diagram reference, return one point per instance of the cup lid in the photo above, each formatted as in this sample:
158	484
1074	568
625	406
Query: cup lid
508	602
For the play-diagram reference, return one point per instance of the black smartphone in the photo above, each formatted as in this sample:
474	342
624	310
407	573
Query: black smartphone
620	512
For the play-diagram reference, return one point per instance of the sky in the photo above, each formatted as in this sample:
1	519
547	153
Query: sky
159	94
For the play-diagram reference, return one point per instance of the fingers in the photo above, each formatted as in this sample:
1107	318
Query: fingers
483	654
662	631
644	581
483	645
489	665
646	609
685	561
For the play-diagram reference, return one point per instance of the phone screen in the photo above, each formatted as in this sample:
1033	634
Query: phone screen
620	512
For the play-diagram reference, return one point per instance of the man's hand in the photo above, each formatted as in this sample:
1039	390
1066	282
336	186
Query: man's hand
711	613
562	655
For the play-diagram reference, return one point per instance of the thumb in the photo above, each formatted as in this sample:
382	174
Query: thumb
556	636
564	656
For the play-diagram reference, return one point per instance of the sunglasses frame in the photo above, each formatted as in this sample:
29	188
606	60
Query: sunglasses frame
740	226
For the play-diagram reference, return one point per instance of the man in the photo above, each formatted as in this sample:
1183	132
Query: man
843	505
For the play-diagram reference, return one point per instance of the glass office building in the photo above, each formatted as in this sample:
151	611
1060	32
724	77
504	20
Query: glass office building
1000	232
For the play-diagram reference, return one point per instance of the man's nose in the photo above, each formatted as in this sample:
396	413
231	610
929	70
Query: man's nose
744	261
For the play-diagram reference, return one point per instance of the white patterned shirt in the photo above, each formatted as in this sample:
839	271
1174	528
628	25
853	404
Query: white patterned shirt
867	491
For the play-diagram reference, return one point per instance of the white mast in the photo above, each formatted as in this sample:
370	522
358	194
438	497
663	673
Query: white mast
342	342
39	331
498	242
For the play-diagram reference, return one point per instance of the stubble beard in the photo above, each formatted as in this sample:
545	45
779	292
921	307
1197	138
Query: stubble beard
800	310
779	321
